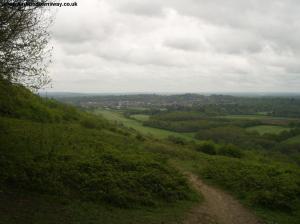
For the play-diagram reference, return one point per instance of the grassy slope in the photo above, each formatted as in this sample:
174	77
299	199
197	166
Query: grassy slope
58	164
234	175
41	209
131	123
270	129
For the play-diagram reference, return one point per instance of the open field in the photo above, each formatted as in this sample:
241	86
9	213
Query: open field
268	129
140	117
131	123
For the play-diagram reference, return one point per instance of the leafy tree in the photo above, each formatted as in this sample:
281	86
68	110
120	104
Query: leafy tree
24	37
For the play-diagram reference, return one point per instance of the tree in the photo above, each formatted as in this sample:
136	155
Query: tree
24	37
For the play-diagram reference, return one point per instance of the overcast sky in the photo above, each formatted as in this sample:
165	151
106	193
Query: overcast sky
177	46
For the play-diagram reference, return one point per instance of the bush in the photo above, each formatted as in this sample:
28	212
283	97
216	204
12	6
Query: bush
89	164
230	150
92	122
140	137
177	140
268	186
208	148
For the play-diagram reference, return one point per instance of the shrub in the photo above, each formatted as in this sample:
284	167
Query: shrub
140	137
268	186
230	150
177	140
208	148
88	164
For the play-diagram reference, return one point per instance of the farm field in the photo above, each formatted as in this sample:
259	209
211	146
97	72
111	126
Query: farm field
140	117
268	129
131	123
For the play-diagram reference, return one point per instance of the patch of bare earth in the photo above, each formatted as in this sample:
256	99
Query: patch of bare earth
218	207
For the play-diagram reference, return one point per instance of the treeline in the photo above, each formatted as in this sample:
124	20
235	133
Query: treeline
231	131
181	121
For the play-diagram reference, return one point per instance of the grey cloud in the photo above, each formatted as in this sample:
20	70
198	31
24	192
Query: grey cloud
141	8
186	44
176	45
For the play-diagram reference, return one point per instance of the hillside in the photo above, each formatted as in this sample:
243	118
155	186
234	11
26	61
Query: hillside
72	166
53	155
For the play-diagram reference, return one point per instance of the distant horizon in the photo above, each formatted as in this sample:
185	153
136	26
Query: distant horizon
169	93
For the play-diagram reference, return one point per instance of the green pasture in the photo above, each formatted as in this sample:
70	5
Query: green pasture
140	117
137	125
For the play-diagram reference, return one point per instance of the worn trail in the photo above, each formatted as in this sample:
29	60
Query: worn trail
218	207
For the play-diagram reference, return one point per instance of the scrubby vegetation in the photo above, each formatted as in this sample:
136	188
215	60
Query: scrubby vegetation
261	169
47	148
53	150
266	185
90	164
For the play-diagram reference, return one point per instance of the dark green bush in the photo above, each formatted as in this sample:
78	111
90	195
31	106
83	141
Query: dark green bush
89	164
230	150
140	137
177	140
268	186
208	148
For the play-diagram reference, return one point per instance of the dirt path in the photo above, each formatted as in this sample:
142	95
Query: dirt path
218	207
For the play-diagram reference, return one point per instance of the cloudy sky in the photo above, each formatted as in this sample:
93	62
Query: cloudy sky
177	46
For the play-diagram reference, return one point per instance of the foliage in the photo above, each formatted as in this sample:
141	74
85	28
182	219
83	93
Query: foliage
207	147
50	148
23	44
177	140
230	150
269	186
18	102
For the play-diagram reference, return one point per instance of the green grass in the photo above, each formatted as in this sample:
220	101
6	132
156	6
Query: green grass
268	129
62	165
100	176
31	208
140	117
100	165
138	126
261	186
293	140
